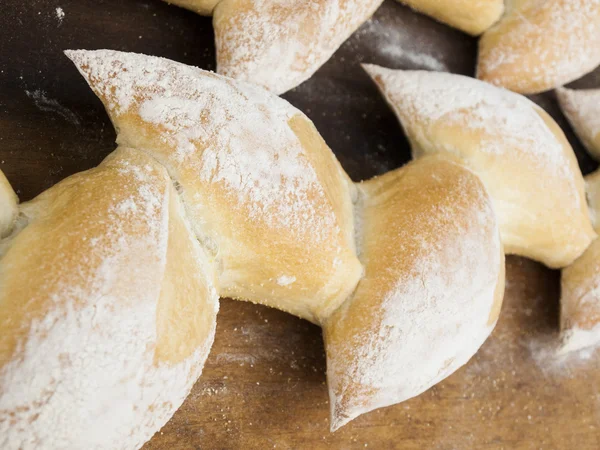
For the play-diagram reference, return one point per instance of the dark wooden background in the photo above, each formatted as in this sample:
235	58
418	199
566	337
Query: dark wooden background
264	382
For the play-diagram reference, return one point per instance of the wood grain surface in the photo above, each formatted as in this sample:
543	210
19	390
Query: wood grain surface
264	383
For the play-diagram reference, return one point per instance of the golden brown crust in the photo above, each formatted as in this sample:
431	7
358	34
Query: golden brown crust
519	152
279	185
101	255
471	16
433	284
183	323
540	45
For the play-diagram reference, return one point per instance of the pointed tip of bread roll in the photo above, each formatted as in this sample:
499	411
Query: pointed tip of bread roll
77	56
377	72
336	419
566	99
582	109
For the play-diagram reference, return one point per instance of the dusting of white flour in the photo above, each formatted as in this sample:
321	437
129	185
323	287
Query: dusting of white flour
280	43
399	46
231	134
507	122
582	108
285	280
60	14
46	104
438	305
87	366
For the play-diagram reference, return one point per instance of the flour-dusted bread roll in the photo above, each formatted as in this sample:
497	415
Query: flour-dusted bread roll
470	16
432	289
8	206
519	152
251	170
278	44
541	44
107	310
582	108
580	285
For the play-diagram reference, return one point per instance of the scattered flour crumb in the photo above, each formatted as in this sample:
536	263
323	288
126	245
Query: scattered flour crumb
60	14
50	105
285	280
548	354
399	46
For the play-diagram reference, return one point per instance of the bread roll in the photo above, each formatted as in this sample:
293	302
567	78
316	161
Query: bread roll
8	206
519	152
107	310
433	285
251	169
278	44
580	286
541	44
471	16
582	108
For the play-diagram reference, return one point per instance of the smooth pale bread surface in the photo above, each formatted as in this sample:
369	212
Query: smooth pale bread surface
432	290
99	274
8	206
279	44
251	170
580	285
515	147
541	44
471	16
582	108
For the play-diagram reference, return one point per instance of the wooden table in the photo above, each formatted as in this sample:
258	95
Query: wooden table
264	383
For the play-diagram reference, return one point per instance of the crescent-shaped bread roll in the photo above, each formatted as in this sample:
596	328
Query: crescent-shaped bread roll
250	169
471	16
580	286
8	206
541	44
582	108
431	293
279	44
522	156
107	310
